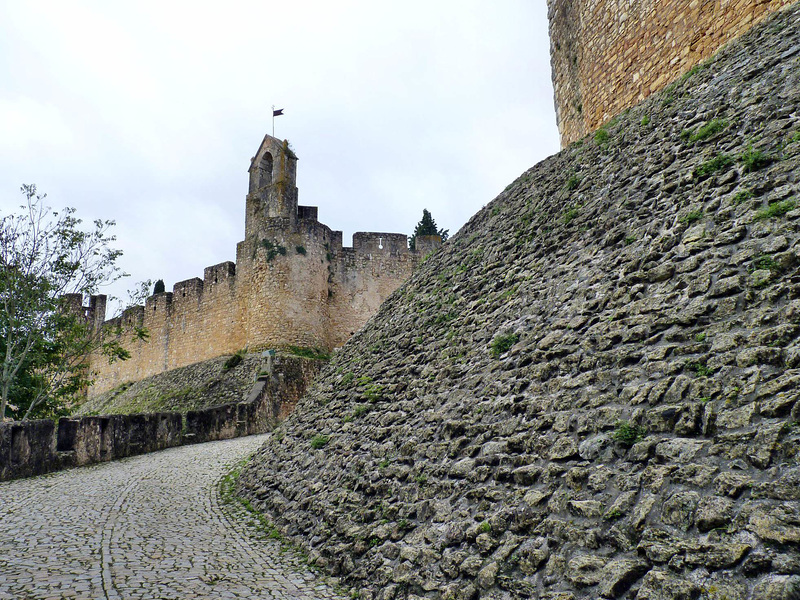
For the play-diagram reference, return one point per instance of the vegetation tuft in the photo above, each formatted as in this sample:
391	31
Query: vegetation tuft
692	216
775	210
721	162
234	360
320	441
503	343
312	353
711	128
628	434
753	159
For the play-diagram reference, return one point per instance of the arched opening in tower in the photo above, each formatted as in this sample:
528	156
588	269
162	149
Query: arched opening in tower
265	168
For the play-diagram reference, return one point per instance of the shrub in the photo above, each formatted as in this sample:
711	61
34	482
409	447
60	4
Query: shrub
300	250
319	441
628	433
778	209
234	360
601	136
645	121
503	343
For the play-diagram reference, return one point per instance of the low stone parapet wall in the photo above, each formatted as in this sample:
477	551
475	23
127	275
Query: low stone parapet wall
34	447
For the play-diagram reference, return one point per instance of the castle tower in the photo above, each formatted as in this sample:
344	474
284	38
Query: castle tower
272	193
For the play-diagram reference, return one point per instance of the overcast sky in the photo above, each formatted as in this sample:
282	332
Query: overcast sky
148	113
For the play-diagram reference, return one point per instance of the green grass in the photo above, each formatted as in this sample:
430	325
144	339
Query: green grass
373	392
645	121
346	379
775	210
766	263
742	196
628	434
713	127
227	493
601	136
753	159
573	182
503	343
570	214
700	369
320	441
720	162
692	216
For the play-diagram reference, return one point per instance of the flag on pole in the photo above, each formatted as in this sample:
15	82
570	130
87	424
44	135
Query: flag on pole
277	113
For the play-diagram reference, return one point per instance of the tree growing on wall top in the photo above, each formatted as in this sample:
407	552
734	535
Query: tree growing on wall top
44	341
427	226
159	287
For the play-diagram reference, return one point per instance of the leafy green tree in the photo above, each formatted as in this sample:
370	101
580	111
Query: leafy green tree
427	226
44	341
159	287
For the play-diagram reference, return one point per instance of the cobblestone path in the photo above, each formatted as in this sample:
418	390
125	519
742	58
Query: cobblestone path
148	527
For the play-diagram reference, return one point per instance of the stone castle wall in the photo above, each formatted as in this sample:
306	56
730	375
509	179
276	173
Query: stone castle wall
293	284
608	55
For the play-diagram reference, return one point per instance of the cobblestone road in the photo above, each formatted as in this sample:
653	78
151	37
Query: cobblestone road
148	527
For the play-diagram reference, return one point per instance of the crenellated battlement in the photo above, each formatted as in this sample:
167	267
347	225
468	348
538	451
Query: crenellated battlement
293	284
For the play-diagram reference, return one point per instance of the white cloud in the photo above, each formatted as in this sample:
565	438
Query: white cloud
149	112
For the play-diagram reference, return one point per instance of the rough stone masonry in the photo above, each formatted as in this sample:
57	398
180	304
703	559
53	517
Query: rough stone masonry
592	390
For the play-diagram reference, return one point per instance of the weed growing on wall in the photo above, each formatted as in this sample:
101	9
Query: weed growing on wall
775	210
719	163
503	343
711	128
234	360
628	433
312	353
320	441
753	159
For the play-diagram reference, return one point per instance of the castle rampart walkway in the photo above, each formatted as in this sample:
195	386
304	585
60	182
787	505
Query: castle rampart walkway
151	526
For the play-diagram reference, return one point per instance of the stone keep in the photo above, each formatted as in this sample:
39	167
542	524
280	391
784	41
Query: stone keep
293	284
607	55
